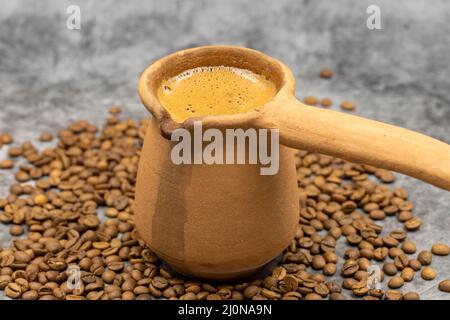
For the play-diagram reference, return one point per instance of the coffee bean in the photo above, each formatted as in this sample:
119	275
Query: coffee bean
415	264
390	269
378	293
395	252
326	73
428	273
440	249
413	224
289	283
354	239
393	295
16	230
13	290
4	281
348	283
370	298
349	268
128	295
390	241
377	214
398	234
214	296
444	285
396	282
333	286
408	274
380	253
337	296
404	216
326	102
321	289
52	245
6	138
318	262
251	291
265	292
385	175
159	282
329	269
409	247
401	261
411	296
46	137
313	296
30	295
425	257
348	105
6	164
310	100
360	288
279	273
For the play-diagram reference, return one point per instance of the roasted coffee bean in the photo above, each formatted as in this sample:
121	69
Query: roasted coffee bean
322	289
30	295
413	224
444	285
381	253
396	282
425	257
251	291
390	241
408	274
13	290
6	164
318	262
326	102
348	105
349	268
408	247
411	296
337	296
378	293
440	249
393	295
313	296
370	298
415	264
390	269
428	273
326	73
329	269
348	283
16	230
310	100
401	261
331	257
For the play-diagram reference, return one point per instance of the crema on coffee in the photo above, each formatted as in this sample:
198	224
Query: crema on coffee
214	90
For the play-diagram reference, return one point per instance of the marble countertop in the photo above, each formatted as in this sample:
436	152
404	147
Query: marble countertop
400	74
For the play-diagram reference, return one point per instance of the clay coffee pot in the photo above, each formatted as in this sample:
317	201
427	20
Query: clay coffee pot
225	221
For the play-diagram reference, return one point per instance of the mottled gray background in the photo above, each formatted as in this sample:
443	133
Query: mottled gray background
50	75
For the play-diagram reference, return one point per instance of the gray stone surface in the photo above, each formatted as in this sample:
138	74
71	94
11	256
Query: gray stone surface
50	75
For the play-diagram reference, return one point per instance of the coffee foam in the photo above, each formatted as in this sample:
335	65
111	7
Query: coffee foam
212	90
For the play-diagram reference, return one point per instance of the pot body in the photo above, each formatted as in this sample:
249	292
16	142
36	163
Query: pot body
213	221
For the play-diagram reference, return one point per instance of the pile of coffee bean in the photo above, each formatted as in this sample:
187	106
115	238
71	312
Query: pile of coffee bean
5	138
70	214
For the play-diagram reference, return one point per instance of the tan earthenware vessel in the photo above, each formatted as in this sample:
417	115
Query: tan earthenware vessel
226	221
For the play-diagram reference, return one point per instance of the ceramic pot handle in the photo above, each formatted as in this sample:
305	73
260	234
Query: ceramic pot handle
361	140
